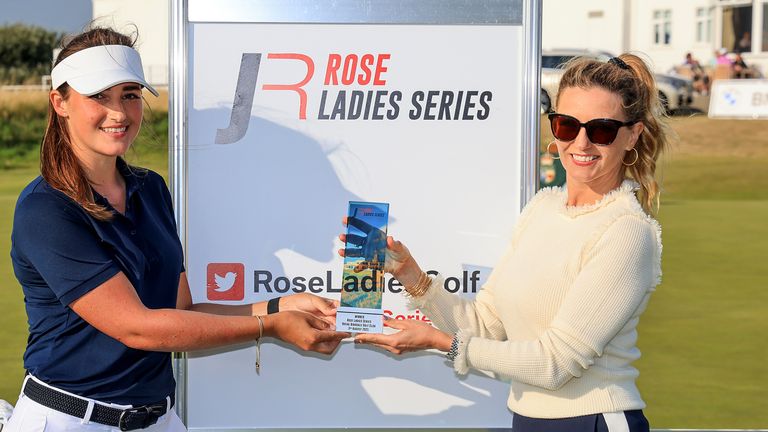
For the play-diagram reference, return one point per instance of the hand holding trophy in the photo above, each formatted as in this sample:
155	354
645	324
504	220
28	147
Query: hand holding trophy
413	335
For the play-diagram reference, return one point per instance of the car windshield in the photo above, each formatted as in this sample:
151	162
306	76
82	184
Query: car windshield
558	61
554	61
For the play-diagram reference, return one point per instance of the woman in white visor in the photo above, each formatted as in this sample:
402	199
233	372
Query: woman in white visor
96	251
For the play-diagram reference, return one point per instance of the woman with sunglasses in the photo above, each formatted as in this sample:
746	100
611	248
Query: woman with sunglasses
560	323
95	249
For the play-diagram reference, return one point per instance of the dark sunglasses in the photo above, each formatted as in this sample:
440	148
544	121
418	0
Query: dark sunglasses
599	131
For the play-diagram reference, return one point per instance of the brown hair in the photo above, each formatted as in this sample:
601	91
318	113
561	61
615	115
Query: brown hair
630	78
59	165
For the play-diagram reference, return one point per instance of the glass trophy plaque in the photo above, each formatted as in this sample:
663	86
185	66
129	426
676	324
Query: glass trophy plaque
363	279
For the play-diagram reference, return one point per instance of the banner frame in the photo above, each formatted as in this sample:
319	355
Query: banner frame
177	131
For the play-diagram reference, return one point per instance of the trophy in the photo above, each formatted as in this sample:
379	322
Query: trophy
363	279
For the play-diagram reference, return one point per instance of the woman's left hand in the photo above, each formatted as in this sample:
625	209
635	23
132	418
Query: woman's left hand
413	336
320	307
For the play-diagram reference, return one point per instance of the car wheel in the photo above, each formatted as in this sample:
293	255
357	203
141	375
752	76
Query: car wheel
546	103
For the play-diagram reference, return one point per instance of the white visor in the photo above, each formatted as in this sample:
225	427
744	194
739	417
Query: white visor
98	68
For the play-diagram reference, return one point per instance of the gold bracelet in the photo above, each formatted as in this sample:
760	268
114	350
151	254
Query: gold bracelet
421	287
258	343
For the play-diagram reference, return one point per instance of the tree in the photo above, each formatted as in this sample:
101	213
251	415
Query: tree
26	53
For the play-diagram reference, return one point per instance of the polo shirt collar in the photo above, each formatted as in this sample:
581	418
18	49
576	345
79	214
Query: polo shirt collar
132	180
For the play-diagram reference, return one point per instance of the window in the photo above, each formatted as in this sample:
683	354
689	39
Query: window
703	24
662	27
737	29
765	27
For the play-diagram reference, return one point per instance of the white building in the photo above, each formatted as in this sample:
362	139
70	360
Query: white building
151	18
665	30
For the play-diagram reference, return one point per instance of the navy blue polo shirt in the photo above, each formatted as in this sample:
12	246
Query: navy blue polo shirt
60	253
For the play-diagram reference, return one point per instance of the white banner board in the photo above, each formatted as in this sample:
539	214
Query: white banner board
285	124
744	98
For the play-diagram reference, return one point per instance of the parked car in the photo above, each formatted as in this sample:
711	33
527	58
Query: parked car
674	92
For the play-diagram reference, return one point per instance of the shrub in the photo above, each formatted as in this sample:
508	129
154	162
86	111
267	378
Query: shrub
23	122
22	125
26	53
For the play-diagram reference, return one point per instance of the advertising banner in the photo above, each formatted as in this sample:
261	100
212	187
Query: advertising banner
744	98
284	126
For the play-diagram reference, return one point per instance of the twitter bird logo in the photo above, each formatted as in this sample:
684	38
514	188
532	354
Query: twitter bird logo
225	281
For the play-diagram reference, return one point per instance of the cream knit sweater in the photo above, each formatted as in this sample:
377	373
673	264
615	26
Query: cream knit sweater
558	315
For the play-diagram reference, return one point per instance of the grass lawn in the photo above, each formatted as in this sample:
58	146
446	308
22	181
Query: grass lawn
703	336
13	320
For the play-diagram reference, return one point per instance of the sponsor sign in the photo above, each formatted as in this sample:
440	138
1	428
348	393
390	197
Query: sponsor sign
744	98
288	123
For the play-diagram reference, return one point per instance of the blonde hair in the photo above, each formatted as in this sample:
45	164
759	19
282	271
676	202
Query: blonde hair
636	87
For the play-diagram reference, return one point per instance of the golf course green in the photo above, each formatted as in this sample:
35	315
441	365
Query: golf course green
704	336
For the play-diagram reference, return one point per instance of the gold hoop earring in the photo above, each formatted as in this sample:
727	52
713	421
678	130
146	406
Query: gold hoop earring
553	154
637	156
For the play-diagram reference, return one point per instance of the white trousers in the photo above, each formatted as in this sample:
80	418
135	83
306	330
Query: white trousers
30	416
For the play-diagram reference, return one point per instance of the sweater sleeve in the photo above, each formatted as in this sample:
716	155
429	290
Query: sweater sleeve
477	317
617	273
450	313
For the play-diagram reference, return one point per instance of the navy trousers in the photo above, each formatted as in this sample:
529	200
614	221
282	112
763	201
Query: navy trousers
628	421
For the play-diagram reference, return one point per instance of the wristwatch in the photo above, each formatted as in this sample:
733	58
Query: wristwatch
454	351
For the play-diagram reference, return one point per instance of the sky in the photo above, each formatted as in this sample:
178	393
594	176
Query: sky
58	15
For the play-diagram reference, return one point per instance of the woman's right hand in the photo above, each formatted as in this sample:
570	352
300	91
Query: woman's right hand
304	331
399	263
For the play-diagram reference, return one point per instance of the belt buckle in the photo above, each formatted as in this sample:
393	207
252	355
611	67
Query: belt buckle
139	417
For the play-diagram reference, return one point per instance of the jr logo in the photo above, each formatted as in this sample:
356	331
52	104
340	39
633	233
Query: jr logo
246	87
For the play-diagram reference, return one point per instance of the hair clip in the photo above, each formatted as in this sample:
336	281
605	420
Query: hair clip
619	62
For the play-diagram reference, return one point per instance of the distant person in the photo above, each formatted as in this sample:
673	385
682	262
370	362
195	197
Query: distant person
740	68
692	63
95	249
744	44
723	65
560	323
721	57
698	74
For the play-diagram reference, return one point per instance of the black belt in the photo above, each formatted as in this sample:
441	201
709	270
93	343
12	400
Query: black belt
127	419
